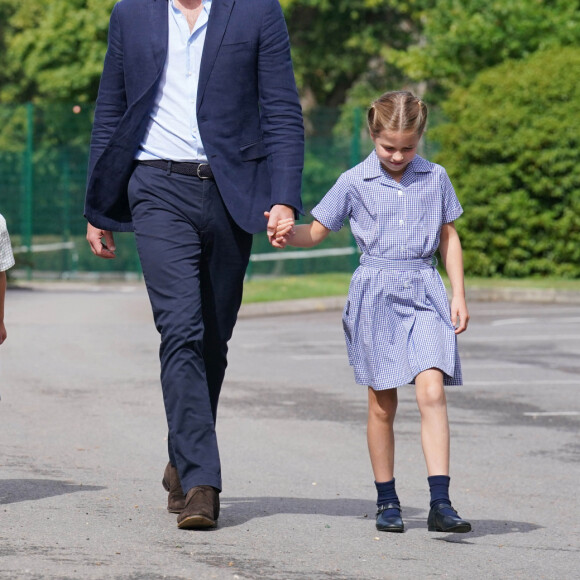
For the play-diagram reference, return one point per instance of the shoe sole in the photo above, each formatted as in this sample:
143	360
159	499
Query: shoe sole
196	523
461	529
395	530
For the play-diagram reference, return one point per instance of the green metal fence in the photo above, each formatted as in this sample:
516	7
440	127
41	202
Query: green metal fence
43	160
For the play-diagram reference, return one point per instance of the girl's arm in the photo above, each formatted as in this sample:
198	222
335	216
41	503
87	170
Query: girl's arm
452	256
302	236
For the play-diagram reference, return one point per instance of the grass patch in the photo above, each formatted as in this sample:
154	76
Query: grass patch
296	287
336	284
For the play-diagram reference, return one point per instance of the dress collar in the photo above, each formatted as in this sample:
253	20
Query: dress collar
372	166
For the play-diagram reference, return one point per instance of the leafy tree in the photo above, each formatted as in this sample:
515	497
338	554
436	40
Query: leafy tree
460	38
338	43
511	148
54	50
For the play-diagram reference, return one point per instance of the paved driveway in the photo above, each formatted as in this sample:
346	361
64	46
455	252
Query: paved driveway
83	450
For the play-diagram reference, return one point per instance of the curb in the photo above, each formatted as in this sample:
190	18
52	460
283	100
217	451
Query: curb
324	304
300	306
524	295
474	294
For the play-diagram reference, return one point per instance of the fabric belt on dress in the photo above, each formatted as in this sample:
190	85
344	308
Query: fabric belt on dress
200	170
386	264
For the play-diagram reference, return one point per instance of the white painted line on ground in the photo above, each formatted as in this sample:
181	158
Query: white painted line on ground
553	414
491	365
519	338
508	321
503	382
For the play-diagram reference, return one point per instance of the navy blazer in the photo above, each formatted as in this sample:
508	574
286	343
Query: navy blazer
248	111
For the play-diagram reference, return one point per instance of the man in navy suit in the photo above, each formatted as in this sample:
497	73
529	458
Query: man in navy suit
198	131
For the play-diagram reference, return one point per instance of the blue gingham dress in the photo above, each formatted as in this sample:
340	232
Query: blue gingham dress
397	319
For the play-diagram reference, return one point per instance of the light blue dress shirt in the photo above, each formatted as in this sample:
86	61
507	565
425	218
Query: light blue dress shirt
173	132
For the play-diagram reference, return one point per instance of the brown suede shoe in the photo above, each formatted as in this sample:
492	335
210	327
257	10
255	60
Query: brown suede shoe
202	508
171	483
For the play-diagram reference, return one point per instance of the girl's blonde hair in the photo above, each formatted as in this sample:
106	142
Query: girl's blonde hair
397	111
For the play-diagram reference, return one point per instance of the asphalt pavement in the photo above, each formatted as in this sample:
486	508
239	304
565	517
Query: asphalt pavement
83	448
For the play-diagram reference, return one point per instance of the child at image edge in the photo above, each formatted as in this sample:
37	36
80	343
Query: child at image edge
6	261
398	326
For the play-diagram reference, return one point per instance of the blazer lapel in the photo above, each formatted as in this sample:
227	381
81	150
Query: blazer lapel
218	20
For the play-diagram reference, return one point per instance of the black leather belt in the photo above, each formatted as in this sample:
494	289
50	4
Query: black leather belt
200	170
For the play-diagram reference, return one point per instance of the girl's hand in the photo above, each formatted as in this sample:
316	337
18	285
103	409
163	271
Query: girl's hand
459	314
284	229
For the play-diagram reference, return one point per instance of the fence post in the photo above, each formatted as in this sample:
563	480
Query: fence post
66	193
355	141
26	226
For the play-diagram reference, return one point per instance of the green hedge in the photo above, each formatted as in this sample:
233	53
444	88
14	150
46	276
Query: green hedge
511	148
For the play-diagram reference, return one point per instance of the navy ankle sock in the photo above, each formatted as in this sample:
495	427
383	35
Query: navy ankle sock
386	494
439	488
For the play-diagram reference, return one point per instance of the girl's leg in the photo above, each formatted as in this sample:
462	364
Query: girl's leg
435	440
380	434
434	423
381	442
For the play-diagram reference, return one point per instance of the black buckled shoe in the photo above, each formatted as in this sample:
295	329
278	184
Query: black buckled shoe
393	523
439	522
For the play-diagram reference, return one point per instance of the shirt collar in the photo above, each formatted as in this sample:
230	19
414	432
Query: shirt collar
372	166
206	5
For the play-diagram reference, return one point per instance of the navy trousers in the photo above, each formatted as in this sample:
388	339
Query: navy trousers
194	259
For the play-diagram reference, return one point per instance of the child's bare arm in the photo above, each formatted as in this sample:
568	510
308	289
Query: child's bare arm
452	256
2	296
306	235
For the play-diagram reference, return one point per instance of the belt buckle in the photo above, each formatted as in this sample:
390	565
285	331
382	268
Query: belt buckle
199	174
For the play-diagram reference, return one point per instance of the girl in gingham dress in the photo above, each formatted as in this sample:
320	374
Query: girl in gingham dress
398	325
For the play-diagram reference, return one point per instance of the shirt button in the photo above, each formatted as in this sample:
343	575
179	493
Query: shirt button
401	223
400	193
403	248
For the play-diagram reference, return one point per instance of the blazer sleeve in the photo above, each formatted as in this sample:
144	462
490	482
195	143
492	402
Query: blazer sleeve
111	100
280	109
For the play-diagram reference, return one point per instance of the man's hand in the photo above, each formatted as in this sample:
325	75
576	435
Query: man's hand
95	238
277	213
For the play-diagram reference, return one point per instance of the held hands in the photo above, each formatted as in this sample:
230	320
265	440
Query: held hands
95	238
280	227
459	314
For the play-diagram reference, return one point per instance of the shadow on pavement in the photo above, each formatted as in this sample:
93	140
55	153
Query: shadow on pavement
239	510
16	490
481	528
